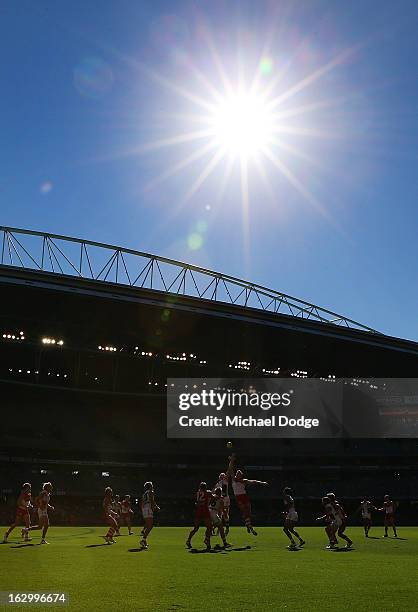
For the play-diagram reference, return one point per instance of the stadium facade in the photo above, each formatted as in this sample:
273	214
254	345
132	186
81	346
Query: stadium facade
90	333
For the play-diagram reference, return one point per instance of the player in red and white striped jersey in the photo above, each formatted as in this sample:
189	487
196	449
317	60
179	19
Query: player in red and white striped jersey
340	519
389	508
126	513
42	502
117	509
330	522
22	510
202	514
239	486
110	516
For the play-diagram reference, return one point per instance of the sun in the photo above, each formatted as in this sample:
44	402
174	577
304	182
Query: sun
242	124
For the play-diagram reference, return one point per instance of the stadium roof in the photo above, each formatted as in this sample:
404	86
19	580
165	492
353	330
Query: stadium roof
104	263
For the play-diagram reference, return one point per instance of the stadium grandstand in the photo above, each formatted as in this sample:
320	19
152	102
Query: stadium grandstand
89	335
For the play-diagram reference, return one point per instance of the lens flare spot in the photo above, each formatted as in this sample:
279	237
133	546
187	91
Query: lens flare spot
195	241
266	66
45	187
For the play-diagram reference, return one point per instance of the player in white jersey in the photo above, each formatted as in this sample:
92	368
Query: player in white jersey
330	522
216	508
148	507
43	504
366	508
239	486
340	518
223	484
290	519
117	509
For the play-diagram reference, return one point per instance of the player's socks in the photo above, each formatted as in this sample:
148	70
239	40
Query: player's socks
302	542
188	544
25	534
109	535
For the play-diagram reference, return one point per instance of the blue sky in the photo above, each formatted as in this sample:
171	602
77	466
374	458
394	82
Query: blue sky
102	107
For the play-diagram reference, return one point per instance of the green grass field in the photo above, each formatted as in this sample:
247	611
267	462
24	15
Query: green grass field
256	574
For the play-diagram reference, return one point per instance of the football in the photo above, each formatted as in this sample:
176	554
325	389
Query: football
229	444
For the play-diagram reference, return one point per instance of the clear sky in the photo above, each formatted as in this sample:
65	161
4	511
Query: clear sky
271	140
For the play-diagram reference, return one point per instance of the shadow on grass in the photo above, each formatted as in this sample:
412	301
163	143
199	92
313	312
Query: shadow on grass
204	551
137	549
343	550
373	538
219	549
96	545
398	538
22	545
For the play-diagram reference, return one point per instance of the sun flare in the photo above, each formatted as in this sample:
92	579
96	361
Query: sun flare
242	125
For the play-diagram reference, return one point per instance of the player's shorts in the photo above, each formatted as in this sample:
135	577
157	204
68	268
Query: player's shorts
242	500
110	519
42	514
389	519
202	514
147	512
292	517
336	523
227	502
215	518
22	514
366	517
343	524
125	515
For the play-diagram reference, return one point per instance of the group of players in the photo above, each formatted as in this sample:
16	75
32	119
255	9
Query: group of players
117	513
23	510
212	508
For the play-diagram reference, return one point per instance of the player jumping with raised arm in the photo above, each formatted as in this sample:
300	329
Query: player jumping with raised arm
239	486
389	508
202	514
110	516
290	519
126	513
43	504
366	508
148	507
22	510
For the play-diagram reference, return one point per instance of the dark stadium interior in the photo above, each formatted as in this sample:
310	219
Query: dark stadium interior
84	368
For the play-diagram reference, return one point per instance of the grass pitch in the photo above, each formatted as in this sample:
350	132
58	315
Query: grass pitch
258	573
